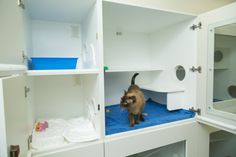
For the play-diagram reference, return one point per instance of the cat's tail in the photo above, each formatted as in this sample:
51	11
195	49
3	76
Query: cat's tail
133	78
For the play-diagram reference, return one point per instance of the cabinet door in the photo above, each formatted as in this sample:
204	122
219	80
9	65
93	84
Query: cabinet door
217	56
94	150
12	32
13	115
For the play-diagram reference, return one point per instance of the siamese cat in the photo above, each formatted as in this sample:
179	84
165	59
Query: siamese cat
133	100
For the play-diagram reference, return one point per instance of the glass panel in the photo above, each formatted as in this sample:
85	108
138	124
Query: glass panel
222	144
173	150
224	93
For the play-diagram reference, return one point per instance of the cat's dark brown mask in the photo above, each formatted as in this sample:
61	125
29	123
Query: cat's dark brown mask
126	100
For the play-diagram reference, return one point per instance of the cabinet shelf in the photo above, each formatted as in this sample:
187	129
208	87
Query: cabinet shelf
9	69
134	70
62	72
162	89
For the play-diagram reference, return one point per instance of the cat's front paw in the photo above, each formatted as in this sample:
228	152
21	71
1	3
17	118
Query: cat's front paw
142	119
131	125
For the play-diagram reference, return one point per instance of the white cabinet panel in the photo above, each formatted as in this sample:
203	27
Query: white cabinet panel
210	115
12	32
13	117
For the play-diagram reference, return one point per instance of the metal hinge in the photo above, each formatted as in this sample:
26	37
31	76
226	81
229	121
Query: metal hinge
97	36
24	57
195	26
21	4
198	111
194	69
99	107
27	90
29	141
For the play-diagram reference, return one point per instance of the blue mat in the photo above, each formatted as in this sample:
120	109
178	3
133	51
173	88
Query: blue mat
117	118
216	100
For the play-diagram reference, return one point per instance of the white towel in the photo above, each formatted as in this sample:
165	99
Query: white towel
60	132
80	130
52	136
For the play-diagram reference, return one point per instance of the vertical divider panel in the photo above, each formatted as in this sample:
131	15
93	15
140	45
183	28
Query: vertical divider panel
14	123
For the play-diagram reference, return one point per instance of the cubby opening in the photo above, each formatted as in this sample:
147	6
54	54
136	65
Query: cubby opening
176	150
222	143
56	30
148	41
69	104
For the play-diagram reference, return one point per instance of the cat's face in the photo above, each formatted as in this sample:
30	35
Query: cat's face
127	100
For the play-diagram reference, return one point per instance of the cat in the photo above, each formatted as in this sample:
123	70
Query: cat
133	100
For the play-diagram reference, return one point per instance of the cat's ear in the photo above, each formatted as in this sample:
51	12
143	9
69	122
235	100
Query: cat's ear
125	92
133	98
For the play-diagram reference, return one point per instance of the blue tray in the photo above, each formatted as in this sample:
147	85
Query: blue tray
42	63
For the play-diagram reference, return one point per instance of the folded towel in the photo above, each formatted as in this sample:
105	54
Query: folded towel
80	130
61	132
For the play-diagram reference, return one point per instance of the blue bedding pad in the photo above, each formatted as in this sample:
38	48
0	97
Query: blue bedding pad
117	118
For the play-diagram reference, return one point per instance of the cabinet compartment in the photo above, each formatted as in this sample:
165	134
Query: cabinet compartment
53	31
63	99
149	41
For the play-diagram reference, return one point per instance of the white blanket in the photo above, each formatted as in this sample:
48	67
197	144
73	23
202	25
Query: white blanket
61	132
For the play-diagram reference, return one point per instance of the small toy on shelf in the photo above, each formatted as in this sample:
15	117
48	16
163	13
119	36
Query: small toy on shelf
39	127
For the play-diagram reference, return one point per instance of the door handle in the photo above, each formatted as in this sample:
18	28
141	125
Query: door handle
14	150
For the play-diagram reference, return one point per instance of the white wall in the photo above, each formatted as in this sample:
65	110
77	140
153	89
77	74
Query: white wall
173	46
58	97
191	6
126	51
55	39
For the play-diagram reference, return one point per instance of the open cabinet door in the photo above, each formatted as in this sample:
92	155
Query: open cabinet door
216	51
13	115
12	32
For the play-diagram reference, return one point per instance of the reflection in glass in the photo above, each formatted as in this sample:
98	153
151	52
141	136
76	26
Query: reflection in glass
172	150
225	68
180	73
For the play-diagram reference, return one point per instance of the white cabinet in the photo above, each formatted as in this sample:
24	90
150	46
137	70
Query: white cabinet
124	38
51	29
